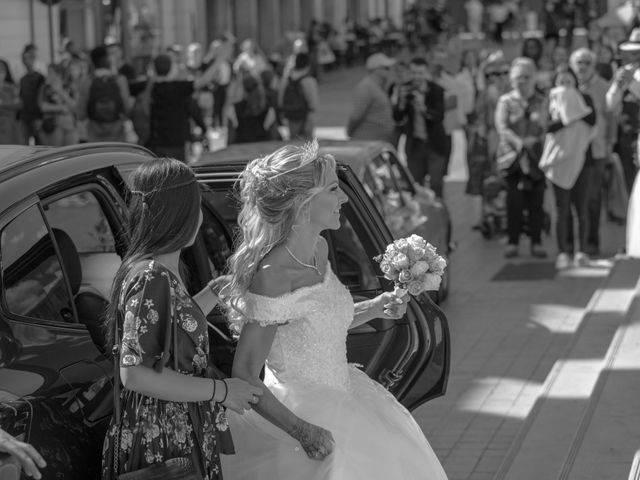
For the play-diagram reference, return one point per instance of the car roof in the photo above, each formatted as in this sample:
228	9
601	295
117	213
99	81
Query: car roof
18	158
354	153
11	155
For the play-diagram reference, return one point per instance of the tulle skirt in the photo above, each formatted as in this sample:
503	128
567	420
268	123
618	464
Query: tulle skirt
376	437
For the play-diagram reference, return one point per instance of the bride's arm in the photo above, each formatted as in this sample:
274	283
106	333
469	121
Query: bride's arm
252	350
386	305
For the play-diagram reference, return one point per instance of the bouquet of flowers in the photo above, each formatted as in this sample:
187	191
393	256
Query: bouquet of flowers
413	265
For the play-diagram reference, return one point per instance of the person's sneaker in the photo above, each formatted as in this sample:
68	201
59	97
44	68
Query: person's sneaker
511	251
538	252
581	259
562	261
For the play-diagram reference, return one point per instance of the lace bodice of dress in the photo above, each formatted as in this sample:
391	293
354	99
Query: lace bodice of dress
310	343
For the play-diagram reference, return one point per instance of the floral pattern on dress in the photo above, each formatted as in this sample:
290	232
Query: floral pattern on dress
154	430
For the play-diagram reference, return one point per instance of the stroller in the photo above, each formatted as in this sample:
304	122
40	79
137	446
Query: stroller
494	207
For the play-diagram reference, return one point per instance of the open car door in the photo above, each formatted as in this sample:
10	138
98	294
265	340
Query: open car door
410	356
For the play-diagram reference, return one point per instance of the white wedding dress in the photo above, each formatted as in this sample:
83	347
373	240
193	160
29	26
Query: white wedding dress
307	370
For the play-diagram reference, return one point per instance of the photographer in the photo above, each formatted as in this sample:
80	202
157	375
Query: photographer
420	106
623	101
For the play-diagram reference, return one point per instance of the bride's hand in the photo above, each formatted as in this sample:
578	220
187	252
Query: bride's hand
392	305
317	442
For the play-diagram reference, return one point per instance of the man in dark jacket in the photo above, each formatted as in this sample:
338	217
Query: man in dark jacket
421	107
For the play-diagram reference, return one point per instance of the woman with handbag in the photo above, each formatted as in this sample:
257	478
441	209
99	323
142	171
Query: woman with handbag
521	117
566	160
169	420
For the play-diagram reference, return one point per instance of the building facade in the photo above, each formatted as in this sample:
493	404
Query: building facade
144	27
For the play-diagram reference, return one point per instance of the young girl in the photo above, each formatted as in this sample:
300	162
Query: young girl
166	412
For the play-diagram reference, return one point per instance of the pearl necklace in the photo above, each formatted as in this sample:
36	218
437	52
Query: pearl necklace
312	267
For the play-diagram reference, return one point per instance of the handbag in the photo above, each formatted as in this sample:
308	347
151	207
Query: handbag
178	468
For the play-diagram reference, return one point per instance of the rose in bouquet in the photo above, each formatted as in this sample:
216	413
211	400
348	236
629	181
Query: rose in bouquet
413	265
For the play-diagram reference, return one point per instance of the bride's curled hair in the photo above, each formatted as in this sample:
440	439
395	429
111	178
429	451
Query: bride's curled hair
274	190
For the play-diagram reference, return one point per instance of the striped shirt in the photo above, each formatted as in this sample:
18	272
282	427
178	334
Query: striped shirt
371	116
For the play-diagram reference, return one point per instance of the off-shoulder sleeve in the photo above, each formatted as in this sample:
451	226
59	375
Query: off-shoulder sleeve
264	311
145	304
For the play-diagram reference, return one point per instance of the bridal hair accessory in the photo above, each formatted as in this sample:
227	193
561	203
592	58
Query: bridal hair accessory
171	187
413	265
269	182
309	154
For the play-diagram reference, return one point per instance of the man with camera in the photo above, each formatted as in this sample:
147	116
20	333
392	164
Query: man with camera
420	107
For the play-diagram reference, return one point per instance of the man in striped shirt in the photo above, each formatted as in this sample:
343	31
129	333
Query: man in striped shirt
372	116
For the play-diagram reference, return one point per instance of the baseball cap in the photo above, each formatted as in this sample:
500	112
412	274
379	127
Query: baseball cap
633	44
379	60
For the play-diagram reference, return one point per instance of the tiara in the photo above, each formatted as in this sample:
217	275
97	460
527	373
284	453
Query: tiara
309	154
163	188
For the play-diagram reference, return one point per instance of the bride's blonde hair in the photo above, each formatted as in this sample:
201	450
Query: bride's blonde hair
274	190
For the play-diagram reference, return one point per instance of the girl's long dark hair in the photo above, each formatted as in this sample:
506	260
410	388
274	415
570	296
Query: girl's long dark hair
164	210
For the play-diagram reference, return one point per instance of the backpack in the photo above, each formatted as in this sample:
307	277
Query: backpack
105	103
294	103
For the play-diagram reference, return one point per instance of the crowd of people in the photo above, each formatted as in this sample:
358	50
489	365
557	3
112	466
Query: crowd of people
173	100
100	98
552	117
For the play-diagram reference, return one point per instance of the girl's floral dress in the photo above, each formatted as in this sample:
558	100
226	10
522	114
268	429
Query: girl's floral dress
154	430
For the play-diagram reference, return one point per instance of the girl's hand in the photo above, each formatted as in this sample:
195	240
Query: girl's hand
241	395
392	305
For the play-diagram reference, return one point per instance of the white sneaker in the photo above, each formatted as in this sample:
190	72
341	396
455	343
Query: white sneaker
562	261
581	259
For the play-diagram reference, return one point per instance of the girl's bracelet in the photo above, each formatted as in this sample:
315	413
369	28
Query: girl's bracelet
213	395
226	391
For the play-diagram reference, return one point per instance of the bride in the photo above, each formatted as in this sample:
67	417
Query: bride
319	417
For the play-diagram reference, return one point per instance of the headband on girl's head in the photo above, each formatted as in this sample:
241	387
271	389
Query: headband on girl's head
177	185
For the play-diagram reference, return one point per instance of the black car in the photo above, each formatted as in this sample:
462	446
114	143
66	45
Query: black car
62	216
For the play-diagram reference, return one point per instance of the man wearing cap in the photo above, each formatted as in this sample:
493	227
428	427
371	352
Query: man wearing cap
371	117
623	101
582	62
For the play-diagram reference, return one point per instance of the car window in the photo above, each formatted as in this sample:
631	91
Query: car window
32	280
349	257
214	233
350	260
81	216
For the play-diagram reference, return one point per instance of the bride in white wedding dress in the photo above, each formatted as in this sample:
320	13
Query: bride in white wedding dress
319	417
